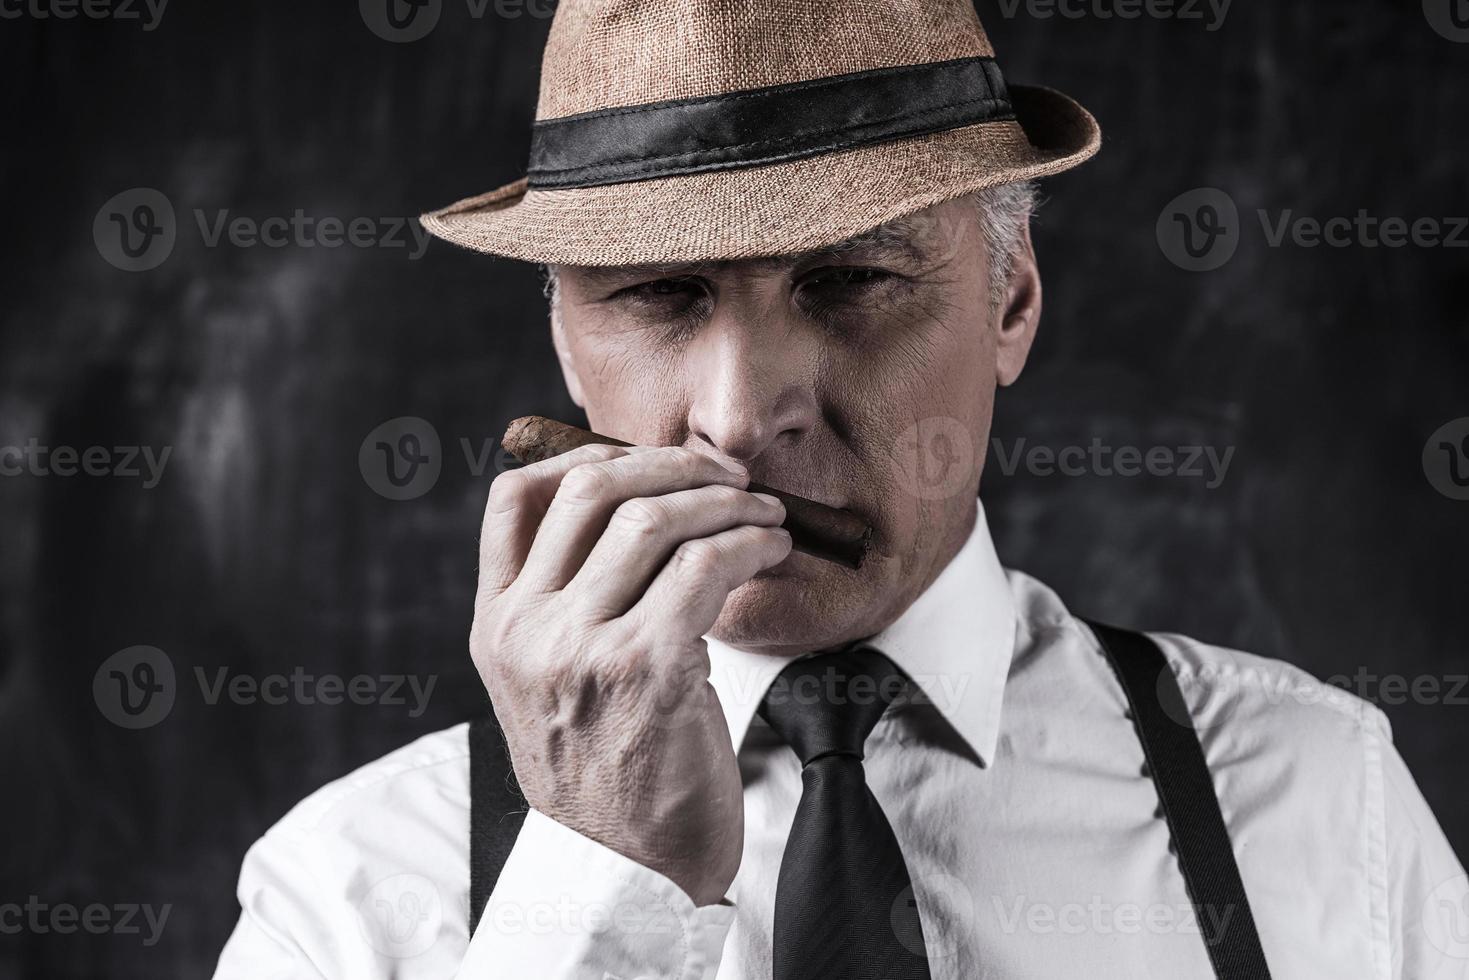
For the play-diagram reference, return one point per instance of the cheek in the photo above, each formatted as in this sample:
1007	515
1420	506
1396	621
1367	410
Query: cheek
932	352
920	424
632	390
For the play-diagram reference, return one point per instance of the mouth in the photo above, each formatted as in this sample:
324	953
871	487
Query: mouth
828	537
801	564
795	489
792	566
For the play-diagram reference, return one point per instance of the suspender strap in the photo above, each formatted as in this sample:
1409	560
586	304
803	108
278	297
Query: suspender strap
1186	791
496	811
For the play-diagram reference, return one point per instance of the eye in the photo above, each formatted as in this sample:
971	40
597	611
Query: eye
662	289
672	305
846	293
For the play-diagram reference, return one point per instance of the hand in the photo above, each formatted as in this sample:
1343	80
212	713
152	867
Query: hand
600	572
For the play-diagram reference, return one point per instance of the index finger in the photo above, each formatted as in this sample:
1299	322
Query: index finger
517	503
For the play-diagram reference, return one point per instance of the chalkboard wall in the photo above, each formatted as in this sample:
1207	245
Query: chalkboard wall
1330	528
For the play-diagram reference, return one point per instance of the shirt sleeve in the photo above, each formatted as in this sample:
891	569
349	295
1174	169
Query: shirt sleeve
279	935
1427	889
255	953
568	908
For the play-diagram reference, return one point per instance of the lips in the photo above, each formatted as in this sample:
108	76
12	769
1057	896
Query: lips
819	494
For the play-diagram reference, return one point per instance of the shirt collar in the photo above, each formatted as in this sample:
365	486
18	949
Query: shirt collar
955	642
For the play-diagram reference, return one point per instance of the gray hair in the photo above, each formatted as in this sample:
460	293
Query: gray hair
1004	215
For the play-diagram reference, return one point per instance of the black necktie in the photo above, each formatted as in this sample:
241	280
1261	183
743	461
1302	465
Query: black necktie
844	907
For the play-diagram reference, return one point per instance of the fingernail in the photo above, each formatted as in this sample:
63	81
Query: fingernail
733	467
771	500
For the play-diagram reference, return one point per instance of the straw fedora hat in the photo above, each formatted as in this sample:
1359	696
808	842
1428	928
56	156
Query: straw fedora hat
692	130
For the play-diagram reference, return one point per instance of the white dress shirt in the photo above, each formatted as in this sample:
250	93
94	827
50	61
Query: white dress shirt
1017	793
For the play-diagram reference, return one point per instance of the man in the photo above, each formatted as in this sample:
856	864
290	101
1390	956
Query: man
789	243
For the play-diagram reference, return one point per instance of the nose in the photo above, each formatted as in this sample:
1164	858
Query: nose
753	389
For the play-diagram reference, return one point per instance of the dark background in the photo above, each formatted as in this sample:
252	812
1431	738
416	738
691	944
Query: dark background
264	548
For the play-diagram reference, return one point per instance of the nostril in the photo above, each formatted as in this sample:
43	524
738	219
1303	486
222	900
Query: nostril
736	441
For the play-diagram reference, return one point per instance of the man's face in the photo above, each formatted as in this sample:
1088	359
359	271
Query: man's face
813	371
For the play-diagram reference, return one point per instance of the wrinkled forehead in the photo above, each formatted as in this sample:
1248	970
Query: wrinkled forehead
913	240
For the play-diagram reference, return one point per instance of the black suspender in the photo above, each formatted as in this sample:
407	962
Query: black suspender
1186	790
496	811
1175	761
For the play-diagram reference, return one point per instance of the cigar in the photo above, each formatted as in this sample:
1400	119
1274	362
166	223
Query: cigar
829	533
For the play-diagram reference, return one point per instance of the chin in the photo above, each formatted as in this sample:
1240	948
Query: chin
803	602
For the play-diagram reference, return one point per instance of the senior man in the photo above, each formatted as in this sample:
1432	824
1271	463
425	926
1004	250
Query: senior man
789	243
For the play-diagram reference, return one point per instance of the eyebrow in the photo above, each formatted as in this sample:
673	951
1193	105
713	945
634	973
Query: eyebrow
894	237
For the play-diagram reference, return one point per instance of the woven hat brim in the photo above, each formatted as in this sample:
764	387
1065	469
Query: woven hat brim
777	209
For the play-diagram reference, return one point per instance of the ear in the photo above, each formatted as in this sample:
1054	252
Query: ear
563	355
1019	313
